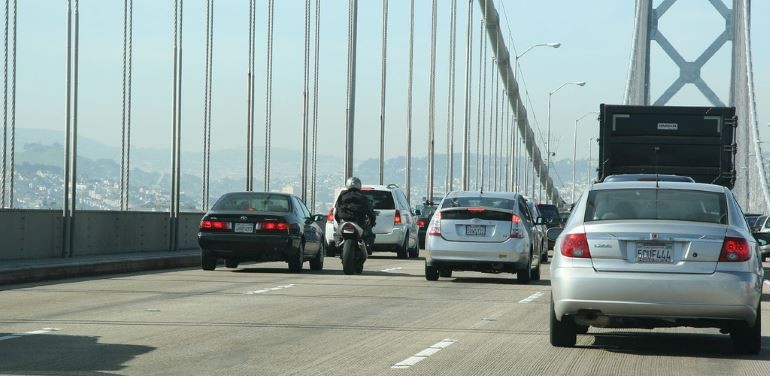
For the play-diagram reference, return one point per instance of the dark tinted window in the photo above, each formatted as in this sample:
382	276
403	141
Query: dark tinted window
381	200
260	202
548	211
482	202
679	205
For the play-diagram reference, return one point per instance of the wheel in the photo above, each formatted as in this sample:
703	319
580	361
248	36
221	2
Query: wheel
403	250
524	276
764	258
414	252
317	263
208	260
331	250
231	263
431	272
748	339
360	267
564	332
446	273
536	273
296	261
544	257
349	257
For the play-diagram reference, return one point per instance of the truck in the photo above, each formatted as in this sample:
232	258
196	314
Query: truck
698	142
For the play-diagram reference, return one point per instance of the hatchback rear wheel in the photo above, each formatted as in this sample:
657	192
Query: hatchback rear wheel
524	276
431	272
564	332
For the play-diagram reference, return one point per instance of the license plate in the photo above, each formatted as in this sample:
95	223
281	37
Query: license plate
244	227
475	230
654	253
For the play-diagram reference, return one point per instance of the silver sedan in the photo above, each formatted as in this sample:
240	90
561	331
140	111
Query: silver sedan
666	254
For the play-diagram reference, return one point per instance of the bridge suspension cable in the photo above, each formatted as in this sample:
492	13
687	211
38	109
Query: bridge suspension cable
408	168
432	101
382	88
207	103
305	105
250	99
448	177
316	55
269	93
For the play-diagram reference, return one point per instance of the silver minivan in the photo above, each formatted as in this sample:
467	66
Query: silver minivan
490	232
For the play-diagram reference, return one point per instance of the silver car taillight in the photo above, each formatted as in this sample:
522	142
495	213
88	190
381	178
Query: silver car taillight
434	228
516	227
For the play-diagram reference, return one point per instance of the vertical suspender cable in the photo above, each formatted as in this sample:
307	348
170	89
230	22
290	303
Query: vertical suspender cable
74	138
432	101
351	87
492	91
129	84
451	100
12	166
409	105
479	107
206	104
177	126
67	134
3	173
123	109
305	105
211	93
467	118
484	105
382	87
497	124
315	103
250	103
269	93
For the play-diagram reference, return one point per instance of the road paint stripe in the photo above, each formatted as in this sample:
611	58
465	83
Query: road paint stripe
391	269
424	354
17	335
269	289
531	298
767	282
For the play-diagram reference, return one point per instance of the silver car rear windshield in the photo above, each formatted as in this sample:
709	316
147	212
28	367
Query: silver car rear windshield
478	202
665	204
258	202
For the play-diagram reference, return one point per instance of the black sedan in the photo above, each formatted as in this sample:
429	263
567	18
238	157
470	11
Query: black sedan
260	226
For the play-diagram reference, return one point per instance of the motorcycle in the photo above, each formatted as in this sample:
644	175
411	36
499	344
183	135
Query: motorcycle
354	248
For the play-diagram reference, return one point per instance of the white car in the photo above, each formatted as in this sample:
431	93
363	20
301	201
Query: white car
395	229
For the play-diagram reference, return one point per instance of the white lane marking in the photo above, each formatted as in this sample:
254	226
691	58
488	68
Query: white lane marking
531	298
269	289
424	354
391	269
767	282
17	335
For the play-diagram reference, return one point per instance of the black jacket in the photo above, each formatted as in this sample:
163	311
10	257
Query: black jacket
353	206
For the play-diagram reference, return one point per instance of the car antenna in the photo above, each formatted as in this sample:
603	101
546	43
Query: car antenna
656	149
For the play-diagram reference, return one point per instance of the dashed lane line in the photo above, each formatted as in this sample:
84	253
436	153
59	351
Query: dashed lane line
17	335
531	298
262	291
424	354
391	269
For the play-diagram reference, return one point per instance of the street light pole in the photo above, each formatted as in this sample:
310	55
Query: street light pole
548	133
574	151
588	176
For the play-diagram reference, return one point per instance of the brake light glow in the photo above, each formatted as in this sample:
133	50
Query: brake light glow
274	226
516	232
214	225
476	210
435	225
420	223
397	217
330	216
734	249
575	245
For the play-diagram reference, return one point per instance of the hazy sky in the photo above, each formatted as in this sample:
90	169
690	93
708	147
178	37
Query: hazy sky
595	37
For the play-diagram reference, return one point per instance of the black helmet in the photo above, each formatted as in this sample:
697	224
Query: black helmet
353	183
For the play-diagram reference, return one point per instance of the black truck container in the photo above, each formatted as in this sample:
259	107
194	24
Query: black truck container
698	142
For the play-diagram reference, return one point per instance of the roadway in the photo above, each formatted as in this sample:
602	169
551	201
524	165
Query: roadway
261	320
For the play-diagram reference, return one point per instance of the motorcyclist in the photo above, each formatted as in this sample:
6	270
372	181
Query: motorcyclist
354	206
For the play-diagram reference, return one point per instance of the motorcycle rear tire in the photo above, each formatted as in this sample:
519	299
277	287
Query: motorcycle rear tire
349	257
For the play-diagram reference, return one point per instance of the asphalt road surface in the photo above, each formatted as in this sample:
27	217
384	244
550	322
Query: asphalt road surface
262	320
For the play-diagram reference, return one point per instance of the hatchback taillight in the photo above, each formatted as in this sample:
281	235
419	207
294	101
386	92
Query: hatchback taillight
330	216
435	225
214	225
575	245
420	223
397	217
516	227
734	249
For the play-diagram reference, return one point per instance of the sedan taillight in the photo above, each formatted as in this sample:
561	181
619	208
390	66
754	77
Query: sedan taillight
575	245
734	249
435	225
274	226
214	225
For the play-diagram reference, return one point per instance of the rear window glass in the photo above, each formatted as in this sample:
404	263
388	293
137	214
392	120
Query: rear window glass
381	200
260	202
678	205
548	211
481	202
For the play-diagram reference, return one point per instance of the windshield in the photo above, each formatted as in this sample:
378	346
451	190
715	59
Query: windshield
259	202
476	201
548	211
677	205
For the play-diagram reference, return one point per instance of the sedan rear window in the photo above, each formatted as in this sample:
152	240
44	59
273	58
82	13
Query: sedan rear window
259	202
664	204
481	202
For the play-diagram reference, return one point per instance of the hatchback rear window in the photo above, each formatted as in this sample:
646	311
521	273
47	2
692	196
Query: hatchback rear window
665	204
481	202
259	202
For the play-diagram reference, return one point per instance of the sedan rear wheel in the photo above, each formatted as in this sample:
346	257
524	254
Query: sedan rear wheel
296	261
431	272
231	263
208	260
748	339
564	332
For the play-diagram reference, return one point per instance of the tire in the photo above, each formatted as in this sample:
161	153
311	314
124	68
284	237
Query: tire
445	273
317	263
524	276
231	263
208	260
564	332
349	257
295	263
581	329
331	250
544	258
536	273
403	250
415	252
431	272
747	340
360	267
764	258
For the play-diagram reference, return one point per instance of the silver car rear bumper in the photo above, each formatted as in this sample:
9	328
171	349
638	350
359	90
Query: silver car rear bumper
509	251
721	295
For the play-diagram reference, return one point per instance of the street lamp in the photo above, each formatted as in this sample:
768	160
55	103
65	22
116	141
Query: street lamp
548	136
574	150
516	117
